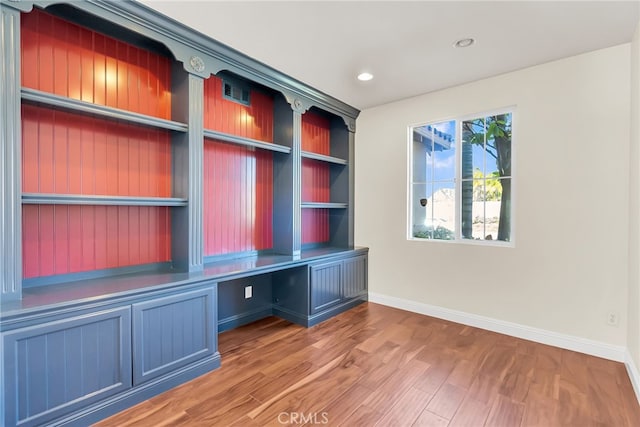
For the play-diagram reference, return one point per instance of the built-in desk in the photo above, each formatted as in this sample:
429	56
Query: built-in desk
77	352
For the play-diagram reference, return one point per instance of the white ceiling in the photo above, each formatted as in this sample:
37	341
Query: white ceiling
406	45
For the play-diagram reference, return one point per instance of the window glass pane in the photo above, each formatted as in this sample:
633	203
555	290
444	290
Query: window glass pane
473	151
472	209
477	212
433	211
467	157
466	217
503	231
422	159
420	209
484	210
434	152
444	145
498	146
443	211
492	197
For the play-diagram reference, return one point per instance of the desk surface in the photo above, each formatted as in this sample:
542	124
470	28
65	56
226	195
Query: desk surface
45	298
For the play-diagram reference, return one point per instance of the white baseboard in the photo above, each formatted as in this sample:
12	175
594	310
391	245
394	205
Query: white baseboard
569	342
634	374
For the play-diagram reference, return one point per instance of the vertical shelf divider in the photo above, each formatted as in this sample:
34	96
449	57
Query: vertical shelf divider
10	157
351	126
296	158
187	244
342	183
284	179
287	236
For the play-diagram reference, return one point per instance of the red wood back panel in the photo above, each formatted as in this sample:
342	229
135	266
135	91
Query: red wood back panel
316	137
61	239
253	121
238	198
315	226
66	59
315	181
66	153
316	133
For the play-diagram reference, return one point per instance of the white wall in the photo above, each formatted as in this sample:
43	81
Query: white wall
569	267
633	336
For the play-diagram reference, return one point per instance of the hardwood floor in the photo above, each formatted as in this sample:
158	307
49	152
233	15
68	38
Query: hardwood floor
376	365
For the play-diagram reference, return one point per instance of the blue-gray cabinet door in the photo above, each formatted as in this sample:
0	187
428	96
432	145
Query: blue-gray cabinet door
173	331
355	277
325	286
52	369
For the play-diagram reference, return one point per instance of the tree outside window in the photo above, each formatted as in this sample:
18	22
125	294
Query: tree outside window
461	187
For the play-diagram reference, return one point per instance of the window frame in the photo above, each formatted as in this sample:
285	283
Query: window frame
459	119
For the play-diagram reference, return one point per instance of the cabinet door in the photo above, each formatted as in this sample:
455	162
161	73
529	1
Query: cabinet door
172	332
325	285
55	368
355	277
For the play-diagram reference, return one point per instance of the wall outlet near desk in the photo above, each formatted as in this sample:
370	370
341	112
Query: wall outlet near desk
248	292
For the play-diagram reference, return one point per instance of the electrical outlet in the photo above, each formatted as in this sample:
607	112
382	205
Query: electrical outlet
248	292
612	319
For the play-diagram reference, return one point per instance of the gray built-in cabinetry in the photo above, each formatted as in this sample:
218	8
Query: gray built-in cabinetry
76	366
83	338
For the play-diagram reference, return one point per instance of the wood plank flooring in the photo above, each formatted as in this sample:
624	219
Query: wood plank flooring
379	366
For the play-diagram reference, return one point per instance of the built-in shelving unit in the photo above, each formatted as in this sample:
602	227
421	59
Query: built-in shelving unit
325	175
243	149
150	174
97	131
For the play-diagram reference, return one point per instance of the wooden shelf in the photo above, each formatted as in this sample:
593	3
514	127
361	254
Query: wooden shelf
323	205
323	158
75	105
74	199
221	136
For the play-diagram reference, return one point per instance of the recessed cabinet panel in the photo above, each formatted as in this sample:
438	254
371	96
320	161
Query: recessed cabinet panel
253	120
238	198
315	226
316	133
172	332
69	60
355	277
325	285
57	367
67	153
315	181
63	239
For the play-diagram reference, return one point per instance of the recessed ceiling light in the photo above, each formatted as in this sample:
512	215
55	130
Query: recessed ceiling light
464	42
365	77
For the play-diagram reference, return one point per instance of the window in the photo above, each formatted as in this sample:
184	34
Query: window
461	179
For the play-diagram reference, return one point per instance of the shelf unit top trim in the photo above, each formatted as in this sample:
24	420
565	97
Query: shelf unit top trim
38	96
77	199
186	43
222	136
